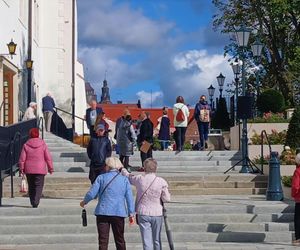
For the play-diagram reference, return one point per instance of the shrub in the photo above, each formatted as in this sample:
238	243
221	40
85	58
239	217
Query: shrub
270	100
275	138
293	134
288	157
221	117
187	146
287	181
270	117
156	144
261	160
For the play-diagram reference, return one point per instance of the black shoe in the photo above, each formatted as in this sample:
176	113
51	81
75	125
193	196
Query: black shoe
206	146
34	206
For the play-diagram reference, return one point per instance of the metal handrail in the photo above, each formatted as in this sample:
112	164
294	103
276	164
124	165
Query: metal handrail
41	120
11	151
1	107
262	148
78	117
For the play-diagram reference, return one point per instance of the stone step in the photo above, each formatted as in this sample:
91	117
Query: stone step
135	238
175	227
78	192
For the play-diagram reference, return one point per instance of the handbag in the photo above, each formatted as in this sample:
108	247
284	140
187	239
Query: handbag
24	185
140	199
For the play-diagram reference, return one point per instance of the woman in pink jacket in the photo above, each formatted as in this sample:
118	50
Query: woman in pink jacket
34	161
151	191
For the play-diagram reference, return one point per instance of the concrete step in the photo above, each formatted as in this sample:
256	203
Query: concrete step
135	238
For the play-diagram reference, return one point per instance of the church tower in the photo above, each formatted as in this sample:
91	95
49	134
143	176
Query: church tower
105	96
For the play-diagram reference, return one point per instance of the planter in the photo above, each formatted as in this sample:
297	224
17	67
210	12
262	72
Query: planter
286	192
285	170
255	150
252	128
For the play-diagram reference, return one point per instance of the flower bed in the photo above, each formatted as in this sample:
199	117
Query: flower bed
270	117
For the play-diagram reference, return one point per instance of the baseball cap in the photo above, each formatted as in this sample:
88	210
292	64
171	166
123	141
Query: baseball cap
100	127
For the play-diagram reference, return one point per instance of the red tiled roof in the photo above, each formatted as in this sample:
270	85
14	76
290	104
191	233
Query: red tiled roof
114	111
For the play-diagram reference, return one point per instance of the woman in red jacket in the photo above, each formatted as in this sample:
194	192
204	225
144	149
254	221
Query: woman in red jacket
296	196
35	161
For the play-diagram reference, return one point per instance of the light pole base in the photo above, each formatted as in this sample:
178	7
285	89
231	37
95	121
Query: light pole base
245	169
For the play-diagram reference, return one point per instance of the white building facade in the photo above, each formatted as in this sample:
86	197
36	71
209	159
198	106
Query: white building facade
54	54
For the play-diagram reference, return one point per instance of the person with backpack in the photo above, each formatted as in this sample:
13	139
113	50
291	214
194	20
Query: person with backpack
202	116
181	115
98	150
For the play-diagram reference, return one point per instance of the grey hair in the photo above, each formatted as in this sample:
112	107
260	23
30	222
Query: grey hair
297	159
113	163
150	165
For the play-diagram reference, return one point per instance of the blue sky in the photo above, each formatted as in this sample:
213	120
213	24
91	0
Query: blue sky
163	47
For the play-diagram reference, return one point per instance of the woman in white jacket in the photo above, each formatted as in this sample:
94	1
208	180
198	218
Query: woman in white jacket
30	112
180	122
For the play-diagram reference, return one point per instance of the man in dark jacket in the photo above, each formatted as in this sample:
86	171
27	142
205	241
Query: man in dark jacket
145	135
48	109
98	150
202	116
91	117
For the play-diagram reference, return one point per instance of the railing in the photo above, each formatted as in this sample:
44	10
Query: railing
12	152
78	117
1	107
41	121
262	148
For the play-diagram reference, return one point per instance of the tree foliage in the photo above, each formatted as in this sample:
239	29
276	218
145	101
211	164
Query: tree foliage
277	24
293	133
270	101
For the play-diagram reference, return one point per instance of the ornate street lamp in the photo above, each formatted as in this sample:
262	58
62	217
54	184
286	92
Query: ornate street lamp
221	80
211	93
242	36
29	64
12	47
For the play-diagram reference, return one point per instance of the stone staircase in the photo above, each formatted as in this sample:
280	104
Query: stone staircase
209	210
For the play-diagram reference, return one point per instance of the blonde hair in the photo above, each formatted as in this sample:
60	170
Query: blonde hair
113	163
297	159
150	165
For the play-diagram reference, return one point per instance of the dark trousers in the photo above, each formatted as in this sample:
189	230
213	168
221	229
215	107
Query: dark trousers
203	128
297	221
95	172
147	155
125	161
92	132
35	188
180	138
103	226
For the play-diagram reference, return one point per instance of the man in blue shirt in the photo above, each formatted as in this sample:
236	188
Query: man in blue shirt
48	109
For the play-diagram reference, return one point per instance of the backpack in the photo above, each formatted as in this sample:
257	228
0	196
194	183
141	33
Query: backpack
204	115
180	115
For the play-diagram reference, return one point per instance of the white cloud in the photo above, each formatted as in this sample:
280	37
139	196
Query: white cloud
149	99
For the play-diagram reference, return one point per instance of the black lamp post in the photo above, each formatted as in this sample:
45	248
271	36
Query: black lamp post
242	37
221	80
211	92
236	68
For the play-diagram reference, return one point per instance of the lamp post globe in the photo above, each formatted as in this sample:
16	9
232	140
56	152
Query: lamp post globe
242	35
236	67
12	47
29	64
211	92
257	47
221	80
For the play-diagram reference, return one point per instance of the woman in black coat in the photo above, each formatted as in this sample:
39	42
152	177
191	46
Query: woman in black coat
164	130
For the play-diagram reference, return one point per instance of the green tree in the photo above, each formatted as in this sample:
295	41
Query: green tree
277	23
270	100
293	133
221	117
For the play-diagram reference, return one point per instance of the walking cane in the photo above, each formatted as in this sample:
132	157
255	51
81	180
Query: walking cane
168	229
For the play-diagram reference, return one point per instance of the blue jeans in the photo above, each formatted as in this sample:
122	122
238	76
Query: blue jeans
150	227
203	132
164	145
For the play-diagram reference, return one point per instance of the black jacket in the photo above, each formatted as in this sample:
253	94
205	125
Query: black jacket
98	150
146	131
87	115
